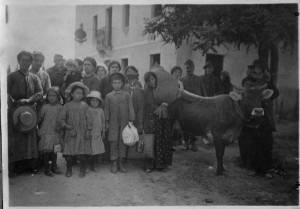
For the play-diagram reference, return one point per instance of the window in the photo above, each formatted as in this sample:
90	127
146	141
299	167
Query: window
126	12
217	61
124	63
156	10
95	27
154	60
109	26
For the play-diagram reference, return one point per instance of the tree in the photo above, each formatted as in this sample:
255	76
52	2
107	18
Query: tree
264	26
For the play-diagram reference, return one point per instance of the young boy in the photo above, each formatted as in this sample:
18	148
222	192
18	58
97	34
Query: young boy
118	113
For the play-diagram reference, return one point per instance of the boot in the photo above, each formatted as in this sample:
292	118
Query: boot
69	168
54	167
114	167
121	166
82	166
47	166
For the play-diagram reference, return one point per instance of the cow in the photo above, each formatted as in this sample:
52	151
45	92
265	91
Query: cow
223	115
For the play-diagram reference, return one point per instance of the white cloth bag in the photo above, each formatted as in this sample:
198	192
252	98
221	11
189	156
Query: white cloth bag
130	135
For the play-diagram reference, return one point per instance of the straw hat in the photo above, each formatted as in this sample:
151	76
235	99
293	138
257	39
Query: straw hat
25	119
95	94
79	84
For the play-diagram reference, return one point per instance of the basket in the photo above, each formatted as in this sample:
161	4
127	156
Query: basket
148	148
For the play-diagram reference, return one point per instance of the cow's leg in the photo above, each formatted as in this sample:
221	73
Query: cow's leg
220	150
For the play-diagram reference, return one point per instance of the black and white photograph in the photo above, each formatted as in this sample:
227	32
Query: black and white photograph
163	103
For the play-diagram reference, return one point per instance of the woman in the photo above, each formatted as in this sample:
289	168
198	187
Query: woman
225	84
156	122
176	72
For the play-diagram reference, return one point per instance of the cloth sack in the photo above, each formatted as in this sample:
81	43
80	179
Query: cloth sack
130	135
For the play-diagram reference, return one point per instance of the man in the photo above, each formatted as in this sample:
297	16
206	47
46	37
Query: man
53	69
57	77
191	83
37	63
24	88
209	83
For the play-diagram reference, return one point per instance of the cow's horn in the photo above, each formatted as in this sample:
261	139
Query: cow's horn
189	96
238	90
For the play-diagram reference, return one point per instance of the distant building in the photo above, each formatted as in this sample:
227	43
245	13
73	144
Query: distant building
115	32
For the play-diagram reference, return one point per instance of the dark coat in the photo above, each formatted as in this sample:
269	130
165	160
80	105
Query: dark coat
209	85
22	146
192	84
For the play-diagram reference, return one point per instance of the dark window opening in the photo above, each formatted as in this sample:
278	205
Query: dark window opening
126	15
156	10
124	63
154	60
109	26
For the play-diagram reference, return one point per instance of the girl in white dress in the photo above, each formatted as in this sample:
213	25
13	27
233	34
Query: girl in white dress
97	133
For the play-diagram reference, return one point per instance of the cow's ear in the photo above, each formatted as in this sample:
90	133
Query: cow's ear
235	96
267	93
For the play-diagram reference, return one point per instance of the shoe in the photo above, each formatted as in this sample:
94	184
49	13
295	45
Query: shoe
114	167
55	169
121	166
48	173
92	168
69	169
82	174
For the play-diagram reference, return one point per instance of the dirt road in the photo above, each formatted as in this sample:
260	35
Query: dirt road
190	181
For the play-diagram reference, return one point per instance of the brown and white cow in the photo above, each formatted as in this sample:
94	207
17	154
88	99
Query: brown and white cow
223	115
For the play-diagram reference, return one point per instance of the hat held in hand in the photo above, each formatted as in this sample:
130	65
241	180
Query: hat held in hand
25	119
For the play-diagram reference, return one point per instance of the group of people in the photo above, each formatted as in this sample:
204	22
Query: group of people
83	108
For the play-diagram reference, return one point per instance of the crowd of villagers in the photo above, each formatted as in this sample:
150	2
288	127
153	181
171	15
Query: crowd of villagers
80	108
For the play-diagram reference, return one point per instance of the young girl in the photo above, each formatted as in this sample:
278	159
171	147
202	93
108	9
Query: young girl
49	131
76	119
97	133
118	112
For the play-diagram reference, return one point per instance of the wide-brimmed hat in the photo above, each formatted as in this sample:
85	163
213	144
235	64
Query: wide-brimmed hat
208	63
257	63
25	119
75	84
117	74
94	94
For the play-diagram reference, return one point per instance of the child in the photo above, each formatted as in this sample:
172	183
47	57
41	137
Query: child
49	131
97	133
118	112
76	119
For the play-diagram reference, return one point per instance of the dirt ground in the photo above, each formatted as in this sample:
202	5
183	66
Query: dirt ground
190	181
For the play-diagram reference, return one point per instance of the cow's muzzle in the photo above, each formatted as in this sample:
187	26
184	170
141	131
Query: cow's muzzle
258	112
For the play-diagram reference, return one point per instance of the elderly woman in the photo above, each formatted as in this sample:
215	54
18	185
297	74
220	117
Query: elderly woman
24	88
156	122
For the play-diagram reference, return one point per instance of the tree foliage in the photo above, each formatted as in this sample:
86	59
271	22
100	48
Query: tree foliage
236	25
